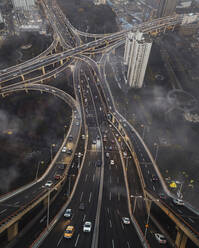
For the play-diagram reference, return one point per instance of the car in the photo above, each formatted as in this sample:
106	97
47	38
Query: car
160	238
83	136
154	178
79	155
126	220
110	148
87	226
69	232
94	142
81	206
68	213
70	138
107	154
69	151
49	183
98	163
77	123
112	162
125	154
178	201
162	196
61	166
63	149
98	137
57	176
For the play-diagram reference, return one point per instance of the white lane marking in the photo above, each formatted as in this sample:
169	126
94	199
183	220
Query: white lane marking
143	159
16	202
118	179
86	177
81	196
59	241
77	240
108	210
128	244
3	211
153	187
110	196
122	225
118	196
109	167
89	163
191	220
148	172
90	197
113	243
118	212
110	223
110	179
84	217
179	211
93	177
42	219
141	154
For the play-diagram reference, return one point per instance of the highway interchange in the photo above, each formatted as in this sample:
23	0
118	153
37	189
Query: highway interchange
105	189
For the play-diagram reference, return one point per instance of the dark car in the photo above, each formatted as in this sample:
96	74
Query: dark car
162	196
81	206
98	163
69	151
61	166
155	178
70	138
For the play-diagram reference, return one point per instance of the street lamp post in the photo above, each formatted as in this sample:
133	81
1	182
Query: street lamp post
48	209
65	131
51	151
156	151
127	161
39	163
135	201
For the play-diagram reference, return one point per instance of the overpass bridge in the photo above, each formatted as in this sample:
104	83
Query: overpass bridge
10	220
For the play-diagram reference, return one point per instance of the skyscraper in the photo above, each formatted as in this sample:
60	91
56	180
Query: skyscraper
137	51
166	7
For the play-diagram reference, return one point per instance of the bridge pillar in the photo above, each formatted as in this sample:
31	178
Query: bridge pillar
12	231
43	70
181	238
22	76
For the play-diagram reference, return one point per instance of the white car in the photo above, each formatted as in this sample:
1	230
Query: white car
49	183
68	213
125	154
63	149
87	226
112	162
107	154
126	220
178	201
160	238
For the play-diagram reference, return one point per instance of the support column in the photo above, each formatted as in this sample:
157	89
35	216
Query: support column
43	70
181	238
22	76
12	231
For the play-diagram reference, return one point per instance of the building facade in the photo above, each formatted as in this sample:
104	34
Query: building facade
137	51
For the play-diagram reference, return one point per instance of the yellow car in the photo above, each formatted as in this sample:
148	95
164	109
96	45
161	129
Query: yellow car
69	232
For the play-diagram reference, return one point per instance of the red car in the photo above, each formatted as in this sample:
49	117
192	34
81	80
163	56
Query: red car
57	176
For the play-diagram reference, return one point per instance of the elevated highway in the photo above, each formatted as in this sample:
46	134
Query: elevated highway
16	205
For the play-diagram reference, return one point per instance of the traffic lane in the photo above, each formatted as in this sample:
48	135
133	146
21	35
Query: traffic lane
112	231
84	185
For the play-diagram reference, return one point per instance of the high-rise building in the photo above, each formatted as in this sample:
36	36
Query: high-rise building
137	51
98	2
23	4
166	7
